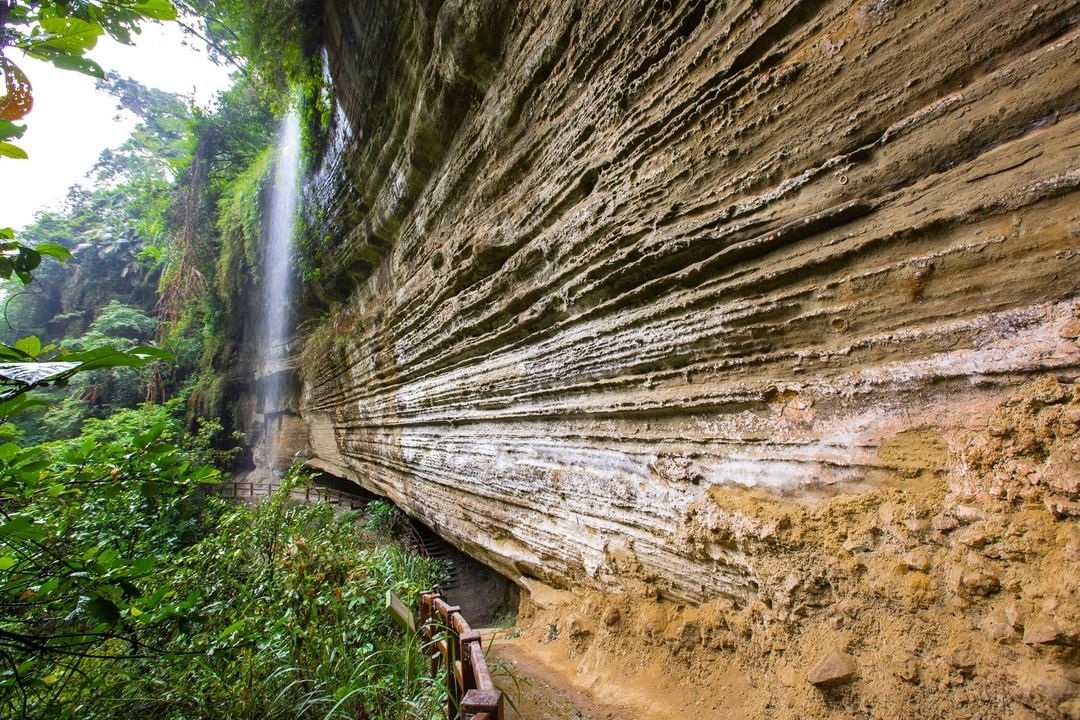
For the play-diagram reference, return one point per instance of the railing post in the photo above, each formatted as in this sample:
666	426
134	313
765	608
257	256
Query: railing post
453	642
468	673
471	695
482	701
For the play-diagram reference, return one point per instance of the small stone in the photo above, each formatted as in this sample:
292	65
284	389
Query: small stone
790	584
1071	329
784	597
683	635
976	580
1071	543
857	545
612	617
996	625
1015	618
578	626
917	526
961	656
967	513
835	668
975	536
1048	682
906	667
944	523
918	559
1061	473
1041	631
1061	507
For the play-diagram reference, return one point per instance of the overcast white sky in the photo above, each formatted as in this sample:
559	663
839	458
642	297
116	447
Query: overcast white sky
71	122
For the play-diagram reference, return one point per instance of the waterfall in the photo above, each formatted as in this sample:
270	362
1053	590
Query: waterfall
277	284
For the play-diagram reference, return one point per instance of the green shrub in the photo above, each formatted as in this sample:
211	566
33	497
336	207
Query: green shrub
128	591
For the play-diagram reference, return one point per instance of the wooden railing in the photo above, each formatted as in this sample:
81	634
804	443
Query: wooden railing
472	694
308	493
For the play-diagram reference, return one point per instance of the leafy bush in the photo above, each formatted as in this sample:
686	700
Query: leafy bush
90	528
119	326
126	590
117	320
297	595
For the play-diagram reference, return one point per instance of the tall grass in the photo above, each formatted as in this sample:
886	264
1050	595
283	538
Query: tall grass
288	621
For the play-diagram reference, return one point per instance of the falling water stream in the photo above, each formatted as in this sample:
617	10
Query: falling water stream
277	284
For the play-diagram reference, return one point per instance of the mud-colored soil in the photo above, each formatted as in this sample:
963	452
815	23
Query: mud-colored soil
546	684
539	689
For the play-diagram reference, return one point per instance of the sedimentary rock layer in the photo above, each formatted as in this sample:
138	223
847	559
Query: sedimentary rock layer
593	264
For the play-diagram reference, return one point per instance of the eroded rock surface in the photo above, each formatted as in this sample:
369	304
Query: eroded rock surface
669	298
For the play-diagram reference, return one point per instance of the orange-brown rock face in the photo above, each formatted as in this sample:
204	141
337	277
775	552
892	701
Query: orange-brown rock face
598	270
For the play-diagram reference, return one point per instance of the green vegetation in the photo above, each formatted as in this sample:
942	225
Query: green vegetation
120	327
128	588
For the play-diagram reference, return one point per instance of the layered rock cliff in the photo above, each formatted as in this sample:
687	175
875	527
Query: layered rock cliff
648	297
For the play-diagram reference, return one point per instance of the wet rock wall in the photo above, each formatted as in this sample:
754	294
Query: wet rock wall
595	271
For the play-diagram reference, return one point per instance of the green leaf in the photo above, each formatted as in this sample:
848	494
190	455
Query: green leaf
8	131
104	357
20	403
69	34
26	259
23	527
12	151
8	452
156	9
55	250
7	234
104	610
107	557
11	354
154	600
48	586
32	467
78	64
153	352
143	564
29	345
143	439
231	629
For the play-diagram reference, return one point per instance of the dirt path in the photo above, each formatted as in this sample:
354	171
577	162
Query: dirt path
541	691
551	686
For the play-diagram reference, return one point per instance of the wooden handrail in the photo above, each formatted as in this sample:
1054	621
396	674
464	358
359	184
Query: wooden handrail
471	693
250	489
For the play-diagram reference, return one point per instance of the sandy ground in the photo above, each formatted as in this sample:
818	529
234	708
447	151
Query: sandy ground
545	685
540	691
